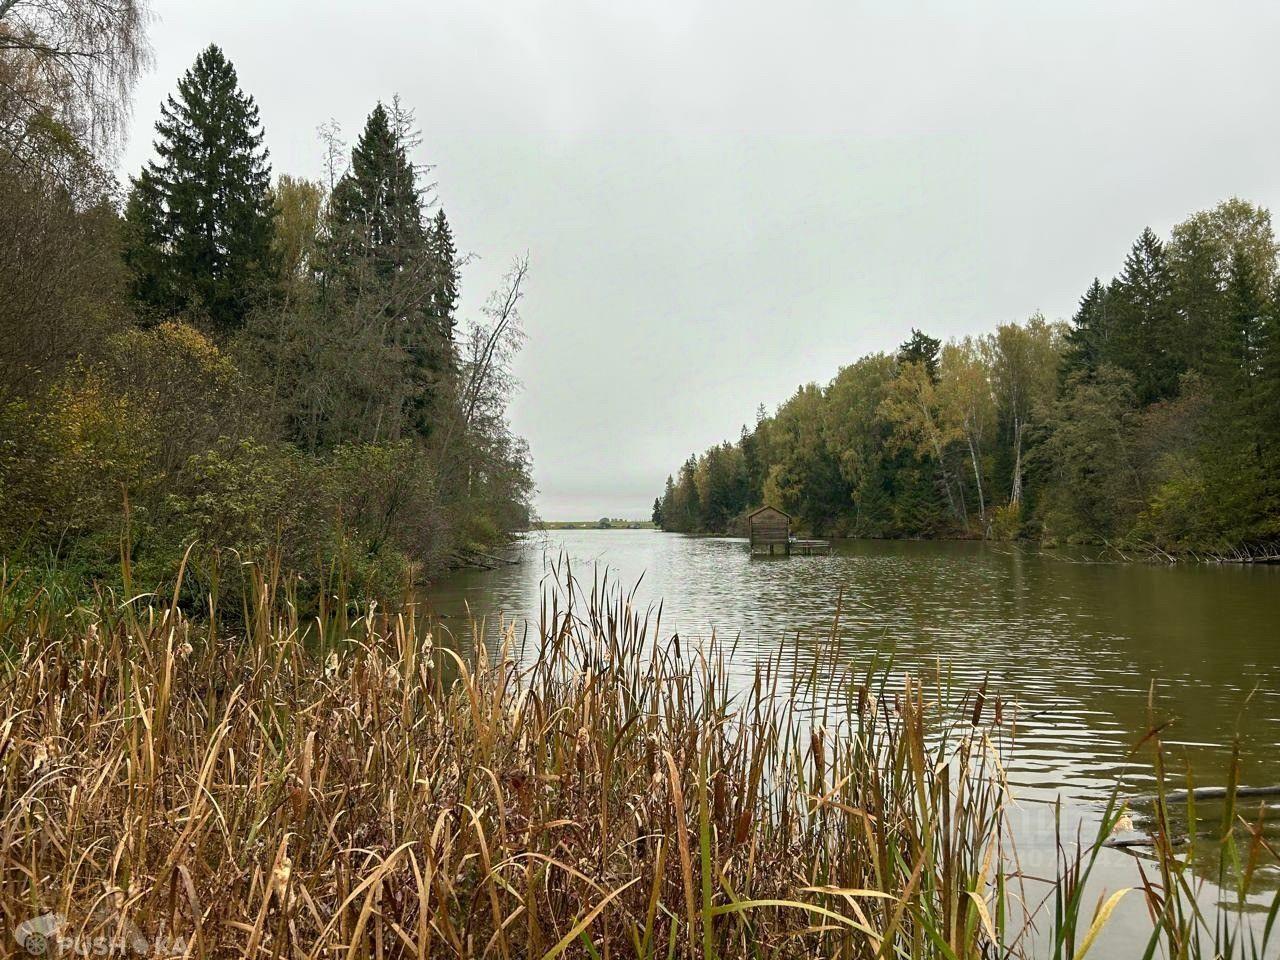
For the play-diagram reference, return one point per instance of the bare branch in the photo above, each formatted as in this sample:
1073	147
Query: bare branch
504	316
72	61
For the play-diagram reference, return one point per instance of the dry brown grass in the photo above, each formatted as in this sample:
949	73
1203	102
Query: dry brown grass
265	792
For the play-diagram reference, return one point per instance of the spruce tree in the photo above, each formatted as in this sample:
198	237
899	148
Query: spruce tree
922	349
688	516
1269	407
432	350
1235	459
1087	339
669	504
1239	369
200	219
1143	333
1198	284
377	209
444	293
380	236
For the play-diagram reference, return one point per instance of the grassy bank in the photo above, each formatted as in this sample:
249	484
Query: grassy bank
354	786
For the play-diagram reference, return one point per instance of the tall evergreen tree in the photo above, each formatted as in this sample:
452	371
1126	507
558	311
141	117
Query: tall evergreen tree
200	219
445	287
1269	408
1239	367
922	349
688	514
1199	284
1143	337
1086	340
1271	371
432	350
668	504
377	209
380	235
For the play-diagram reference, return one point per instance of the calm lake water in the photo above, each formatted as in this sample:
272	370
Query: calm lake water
1074	647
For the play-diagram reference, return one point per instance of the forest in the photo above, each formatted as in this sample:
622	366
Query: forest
1151	419
219	362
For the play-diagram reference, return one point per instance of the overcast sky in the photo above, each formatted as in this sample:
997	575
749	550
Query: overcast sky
724	200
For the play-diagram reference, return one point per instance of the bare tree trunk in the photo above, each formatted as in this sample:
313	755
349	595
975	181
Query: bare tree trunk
1015	494
959	513
977	478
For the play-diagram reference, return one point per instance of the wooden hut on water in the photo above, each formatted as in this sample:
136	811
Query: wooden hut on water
771	533
770	530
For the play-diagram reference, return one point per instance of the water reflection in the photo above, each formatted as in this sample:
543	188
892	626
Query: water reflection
1075	648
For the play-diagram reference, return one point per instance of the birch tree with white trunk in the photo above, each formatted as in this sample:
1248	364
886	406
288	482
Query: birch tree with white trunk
1023	361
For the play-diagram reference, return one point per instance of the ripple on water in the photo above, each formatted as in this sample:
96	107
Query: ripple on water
1073	648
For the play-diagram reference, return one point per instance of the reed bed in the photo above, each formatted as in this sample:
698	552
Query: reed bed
355	786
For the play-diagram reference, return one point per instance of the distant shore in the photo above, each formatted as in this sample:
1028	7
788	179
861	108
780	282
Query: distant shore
604	523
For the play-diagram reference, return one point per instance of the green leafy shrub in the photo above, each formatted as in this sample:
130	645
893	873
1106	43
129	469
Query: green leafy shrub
1006	522
67	460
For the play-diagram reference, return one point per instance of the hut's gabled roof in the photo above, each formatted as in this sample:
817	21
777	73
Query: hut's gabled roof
759	510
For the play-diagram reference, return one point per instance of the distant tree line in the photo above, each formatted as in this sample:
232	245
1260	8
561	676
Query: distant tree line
269	367
1152	418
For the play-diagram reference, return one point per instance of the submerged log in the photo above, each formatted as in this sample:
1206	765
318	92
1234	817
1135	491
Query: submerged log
1132	839
1220	793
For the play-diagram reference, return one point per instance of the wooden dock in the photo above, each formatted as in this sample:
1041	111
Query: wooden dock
804	548
771	534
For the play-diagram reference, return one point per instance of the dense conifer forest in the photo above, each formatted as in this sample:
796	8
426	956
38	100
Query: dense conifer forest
214	353
1151	419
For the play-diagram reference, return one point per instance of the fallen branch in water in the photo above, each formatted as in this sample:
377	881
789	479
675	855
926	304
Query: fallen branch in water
1258	553
475	558
1220	793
